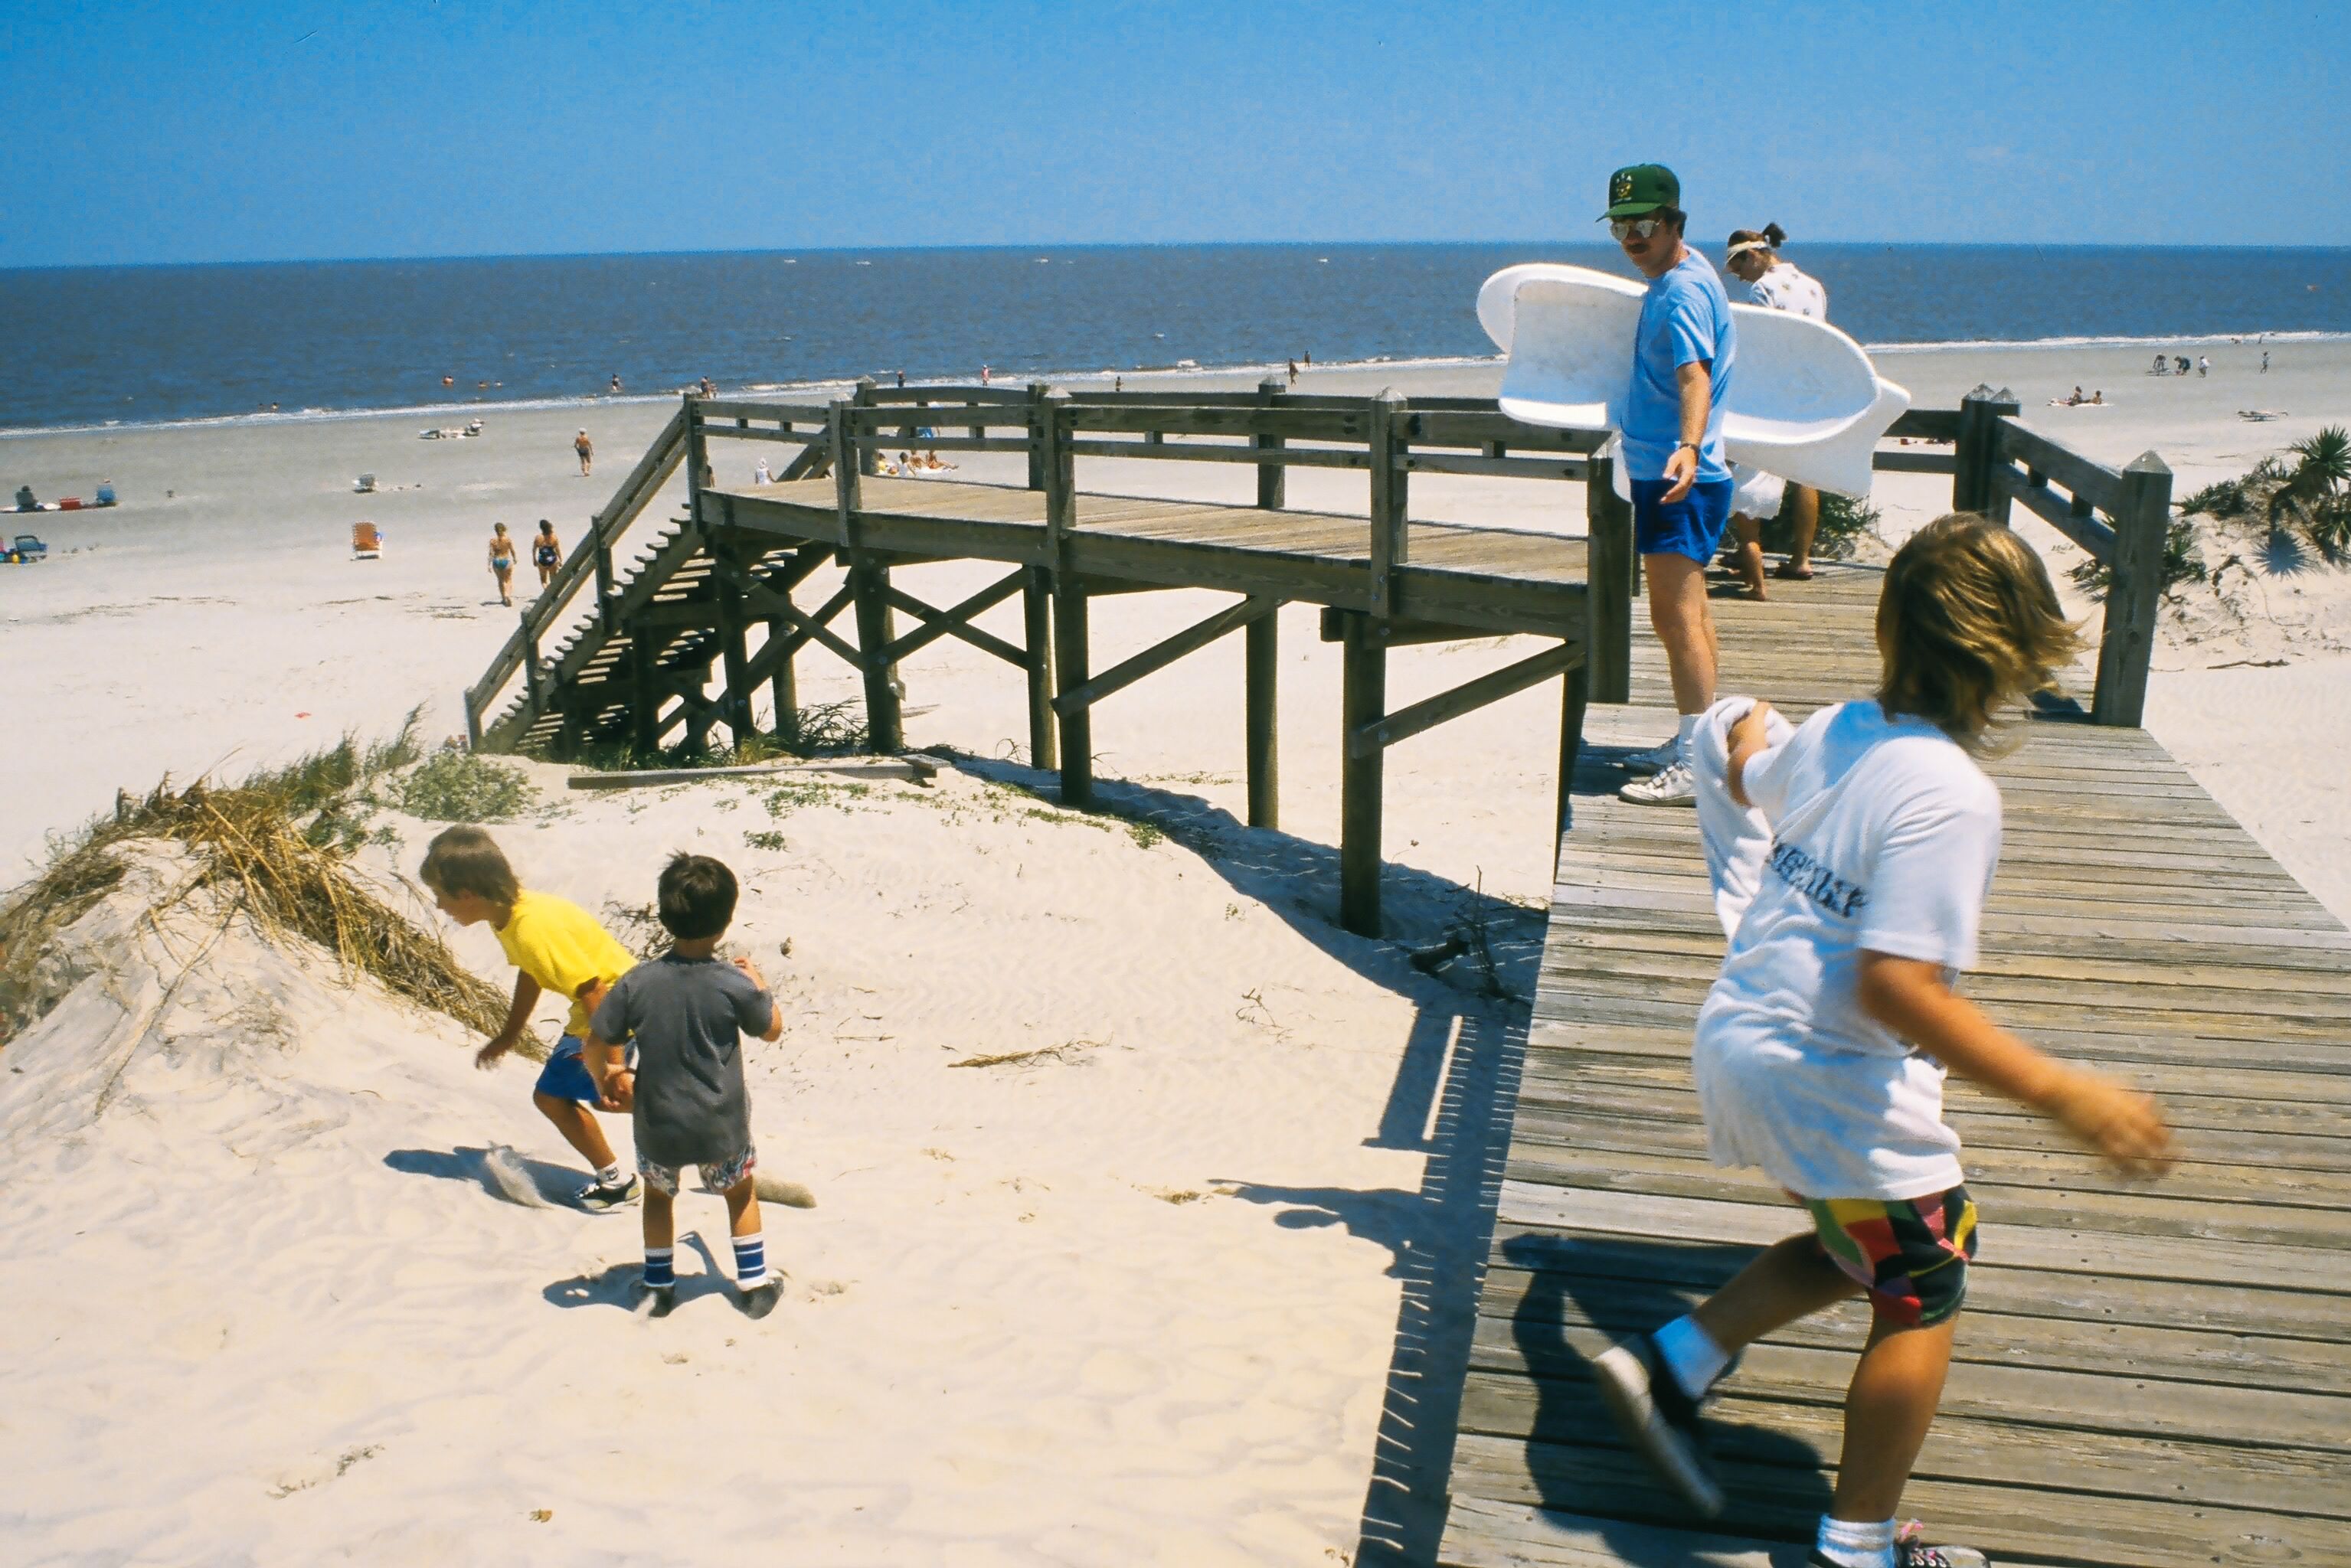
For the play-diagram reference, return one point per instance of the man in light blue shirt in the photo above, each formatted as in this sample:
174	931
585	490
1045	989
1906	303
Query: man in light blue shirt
1672	429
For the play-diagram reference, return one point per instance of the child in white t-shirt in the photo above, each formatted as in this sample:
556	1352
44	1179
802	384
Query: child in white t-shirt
1885	836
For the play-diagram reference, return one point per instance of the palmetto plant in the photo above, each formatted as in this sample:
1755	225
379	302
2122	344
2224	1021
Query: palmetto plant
2313	493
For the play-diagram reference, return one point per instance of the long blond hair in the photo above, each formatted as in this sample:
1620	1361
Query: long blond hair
1968	624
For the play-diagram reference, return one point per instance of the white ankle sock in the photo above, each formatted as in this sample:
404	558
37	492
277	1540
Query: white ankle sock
1691	1355
1687	728
610	1175
1851	1545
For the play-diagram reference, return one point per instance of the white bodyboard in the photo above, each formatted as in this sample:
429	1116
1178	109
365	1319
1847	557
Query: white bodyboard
1805	402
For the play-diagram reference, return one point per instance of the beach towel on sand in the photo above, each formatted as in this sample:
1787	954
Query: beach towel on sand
1736	837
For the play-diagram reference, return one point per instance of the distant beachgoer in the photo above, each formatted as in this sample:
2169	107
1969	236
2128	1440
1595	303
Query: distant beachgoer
2265	361
1308	359
616	386
902	378
2162	367
2203	365
2098	398
709	387
2179	365
502	561
448	380
587	450
106	492
546	552
25	499
983	375
1293	373
2076	401
759	474
1118	383
1754	257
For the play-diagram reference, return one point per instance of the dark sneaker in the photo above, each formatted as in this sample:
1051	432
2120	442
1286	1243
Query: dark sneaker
1657	1418
759	1303
655	1300
600	1195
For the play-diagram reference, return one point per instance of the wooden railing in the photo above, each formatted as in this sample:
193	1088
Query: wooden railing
1992	460
2121	519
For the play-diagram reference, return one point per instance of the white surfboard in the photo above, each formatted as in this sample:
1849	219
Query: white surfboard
1805	402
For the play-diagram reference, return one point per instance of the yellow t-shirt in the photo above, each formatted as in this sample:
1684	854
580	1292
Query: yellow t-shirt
559	944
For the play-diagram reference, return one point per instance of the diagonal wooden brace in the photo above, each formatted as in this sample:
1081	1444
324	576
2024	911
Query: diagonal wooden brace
1430	712
808	628
955	623
1118	677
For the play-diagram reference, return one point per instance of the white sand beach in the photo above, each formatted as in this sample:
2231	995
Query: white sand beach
1132	1299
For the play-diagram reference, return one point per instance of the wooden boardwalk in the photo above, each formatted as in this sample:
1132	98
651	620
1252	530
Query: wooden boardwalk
2148	1376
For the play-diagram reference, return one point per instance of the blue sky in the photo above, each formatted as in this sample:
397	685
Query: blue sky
224	132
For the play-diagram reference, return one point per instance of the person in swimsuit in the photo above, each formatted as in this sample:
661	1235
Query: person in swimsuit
502	559
546	552
587	451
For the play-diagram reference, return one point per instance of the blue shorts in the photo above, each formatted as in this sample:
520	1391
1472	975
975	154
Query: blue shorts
1690	526
566	1076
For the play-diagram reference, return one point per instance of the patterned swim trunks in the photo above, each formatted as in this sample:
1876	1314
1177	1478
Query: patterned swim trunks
716	1177
1911	1255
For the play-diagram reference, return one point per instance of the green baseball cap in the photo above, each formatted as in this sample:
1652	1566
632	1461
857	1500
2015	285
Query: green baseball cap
1641	189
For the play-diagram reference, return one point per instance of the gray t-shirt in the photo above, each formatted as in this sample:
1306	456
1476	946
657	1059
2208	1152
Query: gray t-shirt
688	1017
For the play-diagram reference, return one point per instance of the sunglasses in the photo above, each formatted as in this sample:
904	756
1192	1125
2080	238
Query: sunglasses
1625	228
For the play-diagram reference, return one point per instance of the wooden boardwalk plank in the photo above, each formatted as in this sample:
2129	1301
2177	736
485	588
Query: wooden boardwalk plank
2147	1374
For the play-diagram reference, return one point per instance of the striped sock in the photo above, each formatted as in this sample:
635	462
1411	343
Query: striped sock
751	1262
659	1274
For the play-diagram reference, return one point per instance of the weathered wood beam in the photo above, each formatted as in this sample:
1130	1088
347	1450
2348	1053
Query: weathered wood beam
1467	697
1261	717
1159	655
1364	701
2134	591
1608	564
937	623
1069	657
1037	626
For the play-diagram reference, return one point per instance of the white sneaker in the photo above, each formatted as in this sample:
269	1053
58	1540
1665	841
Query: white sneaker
1656	760
1674	787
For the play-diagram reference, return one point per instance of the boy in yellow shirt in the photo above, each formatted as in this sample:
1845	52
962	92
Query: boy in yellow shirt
554	945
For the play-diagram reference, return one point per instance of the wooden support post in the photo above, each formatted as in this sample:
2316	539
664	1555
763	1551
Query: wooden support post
2134	591
644	697
1608	566
1389	542
1069	659
1574	701
869	586
1977	451
603	576
868	462
697	459
1037	394
534	678
473	721
1037	623
1263	658
1364	703
735	654
1272	478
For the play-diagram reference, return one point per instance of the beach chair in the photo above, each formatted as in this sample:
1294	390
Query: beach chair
366	542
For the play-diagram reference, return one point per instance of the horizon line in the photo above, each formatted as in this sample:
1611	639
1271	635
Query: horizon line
1100	244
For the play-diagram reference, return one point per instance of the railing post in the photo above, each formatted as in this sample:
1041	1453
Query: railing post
1977	451
2134	591
1037	629
534	680
473	721
1390	546
869	582
604	577
1272	478
1608	584
697	456
868	460
1036	394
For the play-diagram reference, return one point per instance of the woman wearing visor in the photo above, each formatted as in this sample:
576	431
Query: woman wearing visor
1754	257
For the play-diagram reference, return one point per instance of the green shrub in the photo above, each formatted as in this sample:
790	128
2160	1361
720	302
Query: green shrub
2181	562
2225	499
463	786
1842	523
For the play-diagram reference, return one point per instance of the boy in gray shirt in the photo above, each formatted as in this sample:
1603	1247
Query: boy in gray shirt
688	1012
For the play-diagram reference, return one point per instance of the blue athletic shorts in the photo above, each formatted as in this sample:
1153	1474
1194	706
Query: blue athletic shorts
566	1076
1690	526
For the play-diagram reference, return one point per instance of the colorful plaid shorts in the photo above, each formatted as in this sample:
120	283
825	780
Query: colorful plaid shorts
718	1175
1911	1255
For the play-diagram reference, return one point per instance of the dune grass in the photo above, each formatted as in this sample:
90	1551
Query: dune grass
276	847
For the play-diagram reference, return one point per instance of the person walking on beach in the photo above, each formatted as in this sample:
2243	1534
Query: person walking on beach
687	1013
2203	365
616	383
546	552
1775	283
983	375
1293	375
1682	351
554	945
2265	361
586	451
1820	1051
502	561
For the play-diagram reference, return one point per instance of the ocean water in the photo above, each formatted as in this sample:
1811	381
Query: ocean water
86	346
